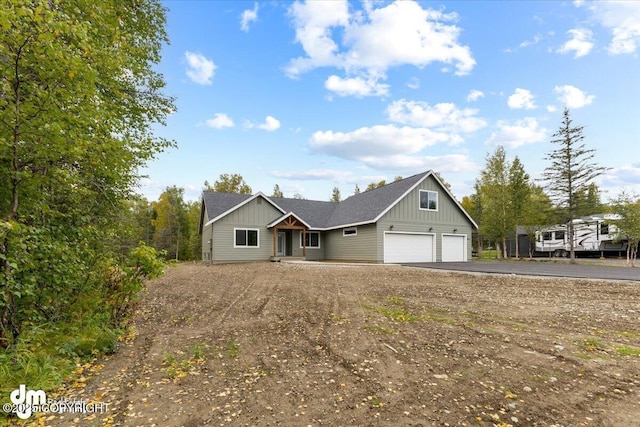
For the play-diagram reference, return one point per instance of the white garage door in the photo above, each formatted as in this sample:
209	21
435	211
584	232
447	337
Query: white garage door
454	248
400	247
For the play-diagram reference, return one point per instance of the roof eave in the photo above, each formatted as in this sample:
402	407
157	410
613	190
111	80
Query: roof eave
239	205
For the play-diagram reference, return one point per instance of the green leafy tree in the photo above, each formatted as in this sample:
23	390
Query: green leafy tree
276	191
171	224
495	199
588	201
443	181
471	204
520	194
335	195
570	172
537	212
195	240
374	185
298	196
79	99
233	183
628	227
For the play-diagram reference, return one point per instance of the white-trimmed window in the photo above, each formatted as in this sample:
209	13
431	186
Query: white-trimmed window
428	200
352	231
312	239
246	238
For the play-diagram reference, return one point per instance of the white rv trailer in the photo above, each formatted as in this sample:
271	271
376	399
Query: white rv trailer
591	234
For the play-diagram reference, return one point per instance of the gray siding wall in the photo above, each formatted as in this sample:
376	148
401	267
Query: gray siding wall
406	216
312	253
361	247
255	215
206	248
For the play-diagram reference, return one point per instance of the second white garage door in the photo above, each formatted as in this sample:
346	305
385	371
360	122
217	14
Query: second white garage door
405	247
454	248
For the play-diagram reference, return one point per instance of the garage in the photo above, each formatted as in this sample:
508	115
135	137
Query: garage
454	248
408	247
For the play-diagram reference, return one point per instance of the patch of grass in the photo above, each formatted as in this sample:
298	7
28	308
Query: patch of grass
395	300
488	254
380	330
591	344
199	351
376	402
398	314
627	351
233	348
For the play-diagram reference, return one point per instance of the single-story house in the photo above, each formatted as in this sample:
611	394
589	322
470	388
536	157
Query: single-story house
415	219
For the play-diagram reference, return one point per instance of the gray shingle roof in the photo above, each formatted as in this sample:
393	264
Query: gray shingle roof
357	209
367	206
219	203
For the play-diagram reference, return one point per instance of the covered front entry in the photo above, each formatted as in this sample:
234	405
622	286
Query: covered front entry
284	246
284	230
408	247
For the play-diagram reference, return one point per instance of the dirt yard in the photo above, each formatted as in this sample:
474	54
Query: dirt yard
270	344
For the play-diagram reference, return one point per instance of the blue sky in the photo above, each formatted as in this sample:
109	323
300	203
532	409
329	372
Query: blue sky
313	95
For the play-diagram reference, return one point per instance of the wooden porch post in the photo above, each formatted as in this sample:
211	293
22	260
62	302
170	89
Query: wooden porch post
275	240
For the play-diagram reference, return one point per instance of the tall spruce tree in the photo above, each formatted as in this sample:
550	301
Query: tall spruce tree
571	171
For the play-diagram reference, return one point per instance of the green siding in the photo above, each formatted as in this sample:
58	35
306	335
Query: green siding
407	216
312	253
361	247
254	215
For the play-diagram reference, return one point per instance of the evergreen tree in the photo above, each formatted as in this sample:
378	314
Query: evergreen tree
570	172
276	191
335	195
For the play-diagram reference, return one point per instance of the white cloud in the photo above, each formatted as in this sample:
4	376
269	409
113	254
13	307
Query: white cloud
270	124
623	19
357	86
552	108
521	98
200	69
375	39
368	144
315	174
525	44
623	178
444	118
446	163
248	16
572	97
521	132
219	121
474	95
580	43
413	83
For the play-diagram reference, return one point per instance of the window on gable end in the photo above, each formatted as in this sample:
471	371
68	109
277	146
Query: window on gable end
428	200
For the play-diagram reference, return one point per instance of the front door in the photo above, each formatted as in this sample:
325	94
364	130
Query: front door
282	243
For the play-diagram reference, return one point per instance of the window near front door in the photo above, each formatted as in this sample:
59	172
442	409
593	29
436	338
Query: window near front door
428	200
246	238
312	239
